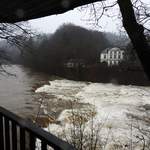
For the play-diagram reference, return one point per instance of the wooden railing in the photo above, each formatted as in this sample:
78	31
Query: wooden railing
19	134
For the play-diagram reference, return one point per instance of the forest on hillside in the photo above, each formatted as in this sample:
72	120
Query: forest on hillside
50	53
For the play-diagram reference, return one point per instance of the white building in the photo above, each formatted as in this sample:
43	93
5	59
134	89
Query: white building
112	56
74	63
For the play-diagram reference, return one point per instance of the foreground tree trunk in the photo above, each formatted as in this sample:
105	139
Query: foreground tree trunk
135	32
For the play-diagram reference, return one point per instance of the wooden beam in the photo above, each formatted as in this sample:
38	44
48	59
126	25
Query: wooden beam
23	10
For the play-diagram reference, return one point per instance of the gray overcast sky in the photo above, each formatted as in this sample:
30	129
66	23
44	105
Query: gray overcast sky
51	23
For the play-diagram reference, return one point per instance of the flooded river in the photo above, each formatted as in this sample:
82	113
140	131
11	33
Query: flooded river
17	90
117	105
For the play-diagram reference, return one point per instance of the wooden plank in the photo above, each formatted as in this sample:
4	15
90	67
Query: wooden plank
55	7
7	134
1	133
14	136
22	138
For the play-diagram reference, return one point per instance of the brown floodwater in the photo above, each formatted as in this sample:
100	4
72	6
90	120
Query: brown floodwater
17	90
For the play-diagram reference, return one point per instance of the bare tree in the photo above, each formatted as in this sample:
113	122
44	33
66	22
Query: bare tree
110	8
142	13
15	33
135	17
135	32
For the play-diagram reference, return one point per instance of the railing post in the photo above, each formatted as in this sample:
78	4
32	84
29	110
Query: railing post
13	129
43	145
1	132
22	138
14	136
7	134
32	141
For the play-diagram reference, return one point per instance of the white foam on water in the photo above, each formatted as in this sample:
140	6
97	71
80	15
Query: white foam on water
112	102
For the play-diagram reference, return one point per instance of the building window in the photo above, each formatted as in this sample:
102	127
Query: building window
110	55
114	55
119	55
104	56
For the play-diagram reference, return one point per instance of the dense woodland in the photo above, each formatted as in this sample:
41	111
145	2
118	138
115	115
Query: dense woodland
68	42
49	53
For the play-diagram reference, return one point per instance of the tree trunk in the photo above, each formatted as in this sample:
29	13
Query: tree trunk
136	34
